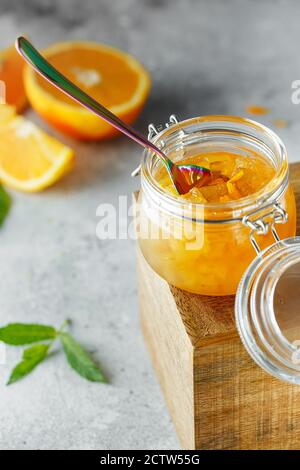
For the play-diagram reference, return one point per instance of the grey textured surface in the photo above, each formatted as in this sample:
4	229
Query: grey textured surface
205	57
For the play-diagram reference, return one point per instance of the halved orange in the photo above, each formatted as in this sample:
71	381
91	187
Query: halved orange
30	159
109	75
11	73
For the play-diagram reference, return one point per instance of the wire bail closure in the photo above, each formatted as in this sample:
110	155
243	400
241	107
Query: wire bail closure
152	132
260	225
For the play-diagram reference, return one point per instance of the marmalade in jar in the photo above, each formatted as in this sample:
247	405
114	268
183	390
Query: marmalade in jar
214	264
231	177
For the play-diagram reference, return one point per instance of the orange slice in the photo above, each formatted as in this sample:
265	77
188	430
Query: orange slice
11	73
30	160
109	75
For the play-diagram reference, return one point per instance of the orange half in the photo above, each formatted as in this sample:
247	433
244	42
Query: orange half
11	73
112	77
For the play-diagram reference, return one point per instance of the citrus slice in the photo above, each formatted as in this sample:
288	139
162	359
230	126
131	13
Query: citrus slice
109	75
11	73
30	160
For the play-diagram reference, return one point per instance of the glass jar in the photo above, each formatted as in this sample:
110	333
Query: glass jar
206	248
246	246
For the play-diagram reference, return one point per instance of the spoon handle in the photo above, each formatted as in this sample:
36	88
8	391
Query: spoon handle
44	68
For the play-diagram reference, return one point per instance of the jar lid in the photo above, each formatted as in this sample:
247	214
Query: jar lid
267	309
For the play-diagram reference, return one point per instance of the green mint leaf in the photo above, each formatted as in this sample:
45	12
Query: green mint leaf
30	359
5	203
26	333
80	360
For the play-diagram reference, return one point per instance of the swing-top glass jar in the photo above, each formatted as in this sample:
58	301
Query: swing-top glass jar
219	242
205	247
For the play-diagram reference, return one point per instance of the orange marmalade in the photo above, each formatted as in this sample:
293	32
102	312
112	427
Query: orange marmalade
199	241
231	177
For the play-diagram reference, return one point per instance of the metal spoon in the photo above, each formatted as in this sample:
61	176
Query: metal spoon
183	177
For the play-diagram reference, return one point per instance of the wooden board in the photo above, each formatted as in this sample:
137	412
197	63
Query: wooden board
217	396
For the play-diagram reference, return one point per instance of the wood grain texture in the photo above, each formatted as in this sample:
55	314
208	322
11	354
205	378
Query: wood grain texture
170	348
238	406
217	396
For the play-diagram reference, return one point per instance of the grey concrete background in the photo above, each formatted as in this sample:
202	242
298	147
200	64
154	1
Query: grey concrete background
205	56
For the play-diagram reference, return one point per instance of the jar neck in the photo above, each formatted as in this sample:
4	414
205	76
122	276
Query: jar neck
211	134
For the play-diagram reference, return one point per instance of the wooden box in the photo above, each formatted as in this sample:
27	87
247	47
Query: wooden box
217	396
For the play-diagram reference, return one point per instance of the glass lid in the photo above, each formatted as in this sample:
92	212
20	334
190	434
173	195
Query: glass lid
267	310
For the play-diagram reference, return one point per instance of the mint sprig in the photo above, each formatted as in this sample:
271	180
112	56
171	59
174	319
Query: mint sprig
79	360
17	334
31	358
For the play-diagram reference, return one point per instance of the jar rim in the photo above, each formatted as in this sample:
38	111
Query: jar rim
222	123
